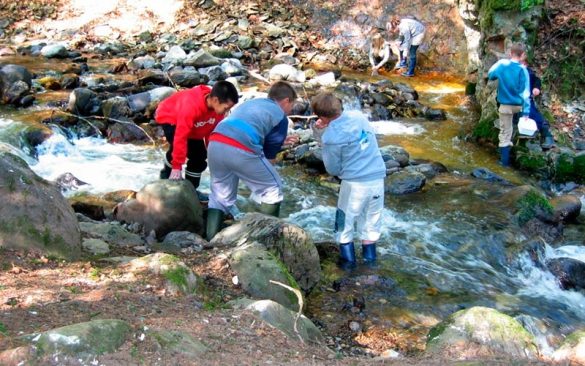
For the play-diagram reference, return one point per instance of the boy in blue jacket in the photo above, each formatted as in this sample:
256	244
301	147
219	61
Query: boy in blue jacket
513	96
350	152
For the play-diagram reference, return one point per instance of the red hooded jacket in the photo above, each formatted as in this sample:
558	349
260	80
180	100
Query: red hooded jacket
187	110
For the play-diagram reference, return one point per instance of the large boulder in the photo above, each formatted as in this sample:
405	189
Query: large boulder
256	267
481	332
83	340
404	182
566	208
34	215
395	153
569	272
283	319
164	206
294	246
15	83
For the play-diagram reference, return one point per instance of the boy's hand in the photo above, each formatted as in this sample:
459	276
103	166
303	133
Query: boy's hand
320	124
291	140
176	174
536	92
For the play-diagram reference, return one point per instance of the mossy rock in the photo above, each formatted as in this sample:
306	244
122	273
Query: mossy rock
481	332
179	342
256	267
570	167
484	130
179	279
532	205
95	337
532	161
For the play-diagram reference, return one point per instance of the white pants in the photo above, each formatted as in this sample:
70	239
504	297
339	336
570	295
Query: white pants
359	203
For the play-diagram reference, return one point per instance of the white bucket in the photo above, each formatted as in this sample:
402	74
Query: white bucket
527	126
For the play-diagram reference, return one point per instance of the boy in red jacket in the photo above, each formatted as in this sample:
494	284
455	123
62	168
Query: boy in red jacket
188	117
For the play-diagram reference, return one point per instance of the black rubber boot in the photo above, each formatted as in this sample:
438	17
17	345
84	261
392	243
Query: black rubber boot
549	141
165	173
369	252
214	222
272	209
347	256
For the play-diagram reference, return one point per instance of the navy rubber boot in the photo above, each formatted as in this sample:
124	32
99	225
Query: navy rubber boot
505	155
369	252
347	255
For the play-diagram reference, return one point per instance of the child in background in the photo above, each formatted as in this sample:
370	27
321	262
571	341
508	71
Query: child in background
350	152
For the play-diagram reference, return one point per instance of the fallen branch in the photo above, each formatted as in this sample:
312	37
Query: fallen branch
300	301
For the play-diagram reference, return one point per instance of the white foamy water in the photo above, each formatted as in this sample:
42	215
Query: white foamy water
396	128
105	167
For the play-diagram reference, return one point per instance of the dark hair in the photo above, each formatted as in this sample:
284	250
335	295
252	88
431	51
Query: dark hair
225	92
282	90
326	105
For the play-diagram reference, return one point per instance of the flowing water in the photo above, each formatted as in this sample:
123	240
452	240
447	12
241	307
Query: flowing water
441	250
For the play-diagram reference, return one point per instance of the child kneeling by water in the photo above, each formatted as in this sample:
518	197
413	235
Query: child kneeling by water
350	152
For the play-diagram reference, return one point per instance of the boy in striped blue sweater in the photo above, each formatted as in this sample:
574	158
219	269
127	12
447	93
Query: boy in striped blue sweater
513	96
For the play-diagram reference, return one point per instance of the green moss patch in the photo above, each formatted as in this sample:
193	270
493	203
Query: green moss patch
531	205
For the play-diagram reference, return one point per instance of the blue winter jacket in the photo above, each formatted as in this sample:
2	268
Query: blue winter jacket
513	84
350	149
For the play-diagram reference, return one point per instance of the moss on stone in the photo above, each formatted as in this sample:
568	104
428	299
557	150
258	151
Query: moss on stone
485	130
534	162
570	168
177	276
530	205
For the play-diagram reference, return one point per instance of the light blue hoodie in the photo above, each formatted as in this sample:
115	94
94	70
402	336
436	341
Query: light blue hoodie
350	149
513	84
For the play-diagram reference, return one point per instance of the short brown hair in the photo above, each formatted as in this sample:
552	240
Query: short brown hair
326	105
517	49
282	90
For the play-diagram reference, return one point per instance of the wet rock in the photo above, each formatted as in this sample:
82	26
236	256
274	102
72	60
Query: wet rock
188	78
404	182
571	351
579	143
46	223
282	318
201	58
480	332
232	67
12	73
95	246
214	73
488	175
178	277
68	181
70	81
84	102
256	267
396	153
311	157
569	272
164	206
110	48
116	108
566	208
405	88
382	99
142	62
126	132
429	170
15	92
110	232
380	113
174	56
83	340
286	72
151	76
323	80
55	51
294	246
50	82
433	114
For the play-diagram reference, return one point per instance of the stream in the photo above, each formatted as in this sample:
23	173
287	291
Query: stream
441	250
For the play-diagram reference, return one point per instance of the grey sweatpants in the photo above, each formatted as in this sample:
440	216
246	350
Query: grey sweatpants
228	164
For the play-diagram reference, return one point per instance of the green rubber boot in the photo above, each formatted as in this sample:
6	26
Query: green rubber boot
214	222
272	209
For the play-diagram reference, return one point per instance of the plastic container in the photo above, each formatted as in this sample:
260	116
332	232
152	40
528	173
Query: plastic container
527	126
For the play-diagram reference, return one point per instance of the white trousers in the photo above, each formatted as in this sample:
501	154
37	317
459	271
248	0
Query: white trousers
361	204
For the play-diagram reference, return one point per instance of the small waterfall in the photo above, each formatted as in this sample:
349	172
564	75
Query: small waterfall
105	167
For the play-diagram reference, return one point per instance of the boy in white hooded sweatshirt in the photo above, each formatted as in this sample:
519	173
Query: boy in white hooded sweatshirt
350	152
